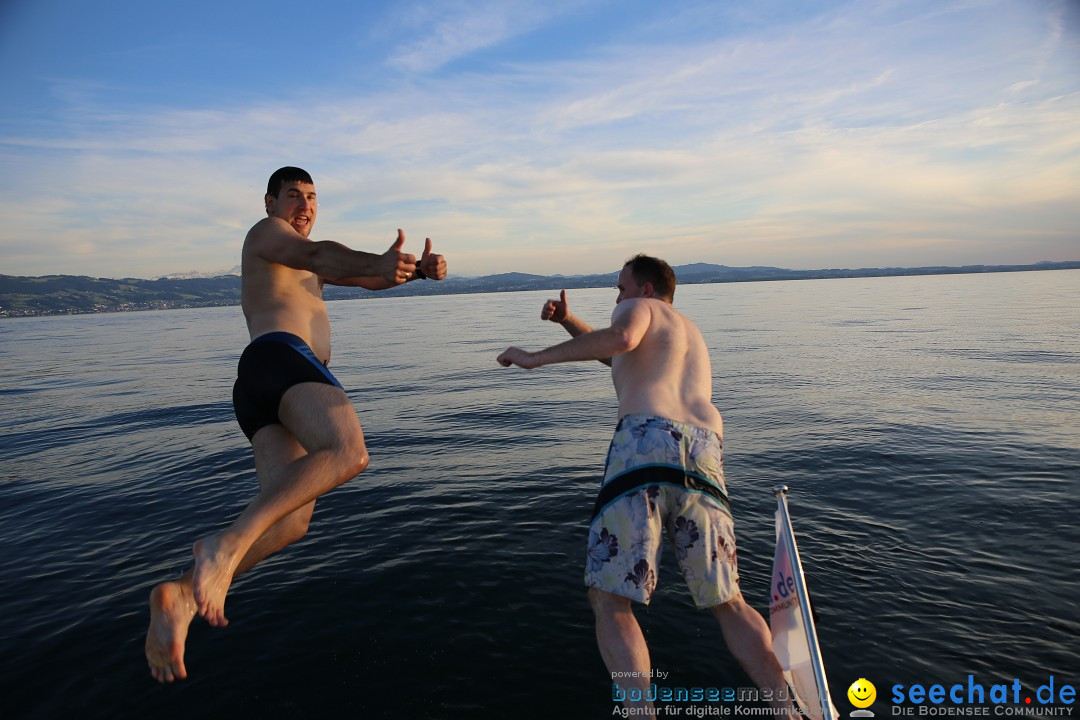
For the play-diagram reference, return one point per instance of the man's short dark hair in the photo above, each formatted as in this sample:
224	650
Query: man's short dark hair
284	176
653	270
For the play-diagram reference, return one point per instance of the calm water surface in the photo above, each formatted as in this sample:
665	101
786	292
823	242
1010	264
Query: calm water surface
927	427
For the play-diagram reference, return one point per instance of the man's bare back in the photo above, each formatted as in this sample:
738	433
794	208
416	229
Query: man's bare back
659	361
668	373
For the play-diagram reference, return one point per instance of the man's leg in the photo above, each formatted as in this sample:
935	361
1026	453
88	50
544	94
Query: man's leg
172	604
622	645
322	419
749	639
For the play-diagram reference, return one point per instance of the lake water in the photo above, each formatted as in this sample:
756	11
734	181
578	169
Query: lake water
927	426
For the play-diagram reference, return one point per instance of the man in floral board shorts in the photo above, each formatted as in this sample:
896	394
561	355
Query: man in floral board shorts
663	475
664	472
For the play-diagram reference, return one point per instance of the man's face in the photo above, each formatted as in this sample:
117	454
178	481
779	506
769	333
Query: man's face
295	204
628	287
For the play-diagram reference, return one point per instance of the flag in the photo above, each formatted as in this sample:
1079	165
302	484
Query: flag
794	637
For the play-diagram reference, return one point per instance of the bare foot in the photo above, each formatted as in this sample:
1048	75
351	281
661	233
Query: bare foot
171	611
214	567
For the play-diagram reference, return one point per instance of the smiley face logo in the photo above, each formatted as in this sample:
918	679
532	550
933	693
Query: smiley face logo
862	693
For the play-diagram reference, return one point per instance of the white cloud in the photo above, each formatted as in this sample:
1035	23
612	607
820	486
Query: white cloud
447	30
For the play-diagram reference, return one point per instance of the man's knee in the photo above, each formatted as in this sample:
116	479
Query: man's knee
738	615
605	603
732	608
355	461
350	448
349	455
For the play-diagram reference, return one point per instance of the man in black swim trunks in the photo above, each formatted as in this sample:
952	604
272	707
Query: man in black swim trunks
303	429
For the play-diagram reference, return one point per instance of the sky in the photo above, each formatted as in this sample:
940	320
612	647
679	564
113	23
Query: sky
555	137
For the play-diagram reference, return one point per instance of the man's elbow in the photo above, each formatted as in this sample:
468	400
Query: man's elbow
623	341
320	262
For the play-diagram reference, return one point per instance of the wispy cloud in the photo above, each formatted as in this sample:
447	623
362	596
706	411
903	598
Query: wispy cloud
437	33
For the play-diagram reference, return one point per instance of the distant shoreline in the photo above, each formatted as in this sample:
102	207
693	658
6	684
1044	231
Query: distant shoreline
78	295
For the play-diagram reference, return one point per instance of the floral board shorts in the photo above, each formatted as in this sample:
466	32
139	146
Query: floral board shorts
661	474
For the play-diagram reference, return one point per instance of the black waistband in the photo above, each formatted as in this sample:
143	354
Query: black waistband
634	480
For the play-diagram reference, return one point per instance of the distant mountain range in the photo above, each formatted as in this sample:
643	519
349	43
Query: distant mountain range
71	294
192	274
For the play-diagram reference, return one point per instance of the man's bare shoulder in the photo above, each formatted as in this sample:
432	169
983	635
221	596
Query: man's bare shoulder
640	309
273	241
270	229
631	307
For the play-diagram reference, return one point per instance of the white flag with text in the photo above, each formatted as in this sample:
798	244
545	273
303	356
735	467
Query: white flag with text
794	636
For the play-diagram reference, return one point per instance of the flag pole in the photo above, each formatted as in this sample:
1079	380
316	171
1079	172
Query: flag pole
828	712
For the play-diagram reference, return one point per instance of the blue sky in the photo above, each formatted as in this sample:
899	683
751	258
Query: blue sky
555	137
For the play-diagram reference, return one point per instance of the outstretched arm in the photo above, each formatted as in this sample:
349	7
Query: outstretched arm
430	267
629	323
274	240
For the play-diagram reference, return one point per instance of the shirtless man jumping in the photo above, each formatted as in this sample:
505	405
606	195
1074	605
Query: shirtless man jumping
664	471
303	429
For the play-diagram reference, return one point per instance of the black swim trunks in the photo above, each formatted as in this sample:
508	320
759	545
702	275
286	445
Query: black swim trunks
269	366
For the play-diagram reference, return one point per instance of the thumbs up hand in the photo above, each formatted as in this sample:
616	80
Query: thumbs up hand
395	267
555	310
431	266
